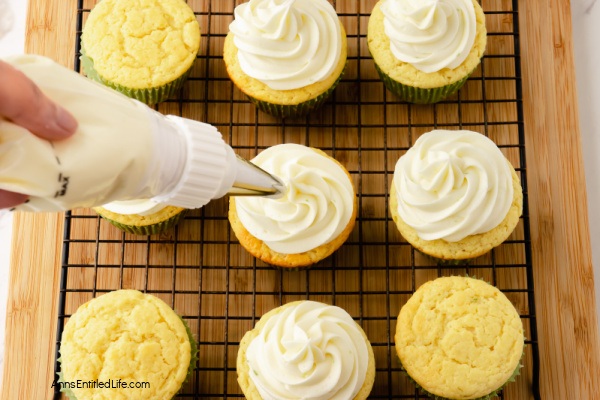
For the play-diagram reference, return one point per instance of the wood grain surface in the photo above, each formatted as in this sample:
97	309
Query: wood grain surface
569	345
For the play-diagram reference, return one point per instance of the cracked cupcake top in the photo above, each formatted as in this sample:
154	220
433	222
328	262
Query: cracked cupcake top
141	43
130	336
459	337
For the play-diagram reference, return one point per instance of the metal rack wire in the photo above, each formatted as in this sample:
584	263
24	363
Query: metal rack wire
200	269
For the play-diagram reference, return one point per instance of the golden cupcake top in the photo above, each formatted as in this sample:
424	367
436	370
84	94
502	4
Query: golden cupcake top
427	44
306	350
130	336
141	44
459	337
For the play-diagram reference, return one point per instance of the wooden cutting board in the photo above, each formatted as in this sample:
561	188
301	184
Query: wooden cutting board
569	344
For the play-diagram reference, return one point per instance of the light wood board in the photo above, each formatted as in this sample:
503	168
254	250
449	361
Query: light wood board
566	316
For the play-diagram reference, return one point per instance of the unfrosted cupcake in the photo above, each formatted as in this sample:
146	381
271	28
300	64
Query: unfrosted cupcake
286	56
306	350
454	195
425	50
141	217
313	218
144	49
121	338
459	338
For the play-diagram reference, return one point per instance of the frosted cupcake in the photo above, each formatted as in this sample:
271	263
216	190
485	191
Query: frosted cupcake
144	49
306	350
425	50
459	338
312	220
286	56
126	337
454	195
141	217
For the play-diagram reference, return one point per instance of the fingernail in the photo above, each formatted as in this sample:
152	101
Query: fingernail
66	121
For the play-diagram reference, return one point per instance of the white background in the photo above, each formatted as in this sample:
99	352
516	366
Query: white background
586	35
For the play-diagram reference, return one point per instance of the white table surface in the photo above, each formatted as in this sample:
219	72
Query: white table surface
586	34
12	41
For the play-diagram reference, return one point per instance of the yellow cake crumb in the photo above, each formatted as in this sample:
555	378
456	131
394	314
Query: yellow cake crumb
141	44
243	368
258	90
405	73
472	246
459	337
130	336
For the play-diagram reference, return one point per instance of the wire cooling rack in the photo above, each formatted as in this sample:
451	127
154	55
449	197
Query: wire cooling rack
200	269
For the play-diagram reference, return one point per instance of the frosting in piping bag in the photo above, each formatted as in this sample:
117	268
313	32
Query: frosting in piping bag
309	351
316	208
430	34
287	44
452	184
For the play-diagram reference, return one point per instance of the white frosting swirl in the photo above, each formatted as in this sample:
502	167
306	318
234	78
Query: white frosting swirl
316	208
452	184
309	351
430	34
138	207
287	44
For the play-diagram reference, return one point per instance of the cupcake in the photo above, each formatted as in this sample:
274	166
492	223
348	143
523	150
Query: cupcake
125	338
310	221
144	49
141	217
306	350
454	196
286	56
425	50
459	338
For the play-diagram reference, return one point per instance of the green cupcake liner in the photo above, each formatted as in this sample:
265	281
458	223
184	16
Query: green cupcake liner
194	350
152	229
417	95
489	396
193	359
149	96
296	110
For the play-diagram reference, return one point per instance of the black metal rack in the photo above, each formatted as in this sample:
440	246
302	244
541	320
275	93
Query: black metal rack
200	269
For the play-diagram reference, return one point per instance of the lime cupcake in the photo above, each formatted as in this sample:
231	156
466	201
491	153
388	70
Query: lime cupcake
306	350
286	56
313	218
131	342
454	196
141	217
144	49
459	338
424	51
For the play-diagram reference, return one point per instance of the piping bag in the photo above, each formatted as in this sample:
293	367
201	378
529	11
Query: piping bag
122	150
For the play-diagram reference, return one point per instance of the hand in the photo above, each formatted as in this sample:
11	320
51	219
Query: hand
22	103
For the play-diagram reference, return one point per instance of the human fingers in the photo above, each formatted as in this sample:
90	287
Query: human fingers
11	199
23	103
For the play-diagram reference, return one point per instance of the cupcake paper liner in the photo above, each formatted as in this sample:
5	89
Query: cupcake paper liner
417	95
193	359
151	229
149	96
296	110
489	396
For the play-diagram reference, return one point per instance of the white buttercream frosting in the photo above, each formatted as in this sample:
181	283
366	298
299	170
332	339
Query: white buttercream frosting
309	351
138	207
430	34
452	184
316	208
287	44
